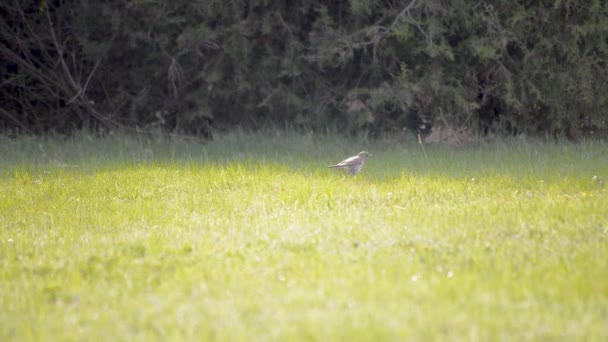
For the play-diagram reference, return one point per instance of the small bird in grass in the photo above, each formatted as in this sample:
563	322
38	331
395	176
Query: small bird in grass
354	163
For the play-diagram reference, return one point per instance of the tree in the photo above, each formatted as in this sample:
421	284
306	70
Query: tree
376	65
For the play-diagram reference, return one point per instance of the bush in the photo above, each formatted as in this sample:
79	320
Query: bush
356	65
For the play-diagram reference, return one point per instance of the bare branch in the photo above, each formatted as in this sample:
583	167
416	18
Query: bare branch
402	14
59	49
83	90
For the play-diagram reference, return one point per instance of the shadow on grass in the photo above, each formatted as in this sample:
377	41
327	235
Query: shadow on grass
306	155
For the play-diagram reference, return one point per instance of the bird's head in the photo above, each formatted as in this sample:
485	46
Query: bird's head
364	155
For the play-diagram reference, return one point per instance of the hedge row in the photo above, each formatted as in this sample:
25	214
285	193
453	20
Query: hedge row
376	65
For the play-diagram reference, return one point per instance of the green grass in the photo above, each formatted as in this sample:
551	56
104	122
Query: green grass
251	237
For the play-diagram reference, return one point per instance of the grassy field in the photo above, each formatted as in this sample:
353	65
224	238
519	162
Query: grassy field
252	237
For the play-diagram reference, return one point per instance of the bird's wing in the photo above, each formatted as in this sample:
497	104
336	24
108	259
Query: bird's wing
350	161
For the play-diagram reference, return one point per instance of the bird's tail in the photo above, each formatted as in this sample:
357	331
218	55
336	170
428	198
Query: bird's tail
333	166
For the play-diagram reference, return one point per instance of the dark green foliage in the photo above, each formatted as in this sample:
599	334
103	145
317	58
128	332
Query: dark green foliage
376	65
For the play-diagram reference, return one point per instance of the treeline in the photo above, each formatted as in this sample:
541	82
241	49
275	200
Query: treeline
534	67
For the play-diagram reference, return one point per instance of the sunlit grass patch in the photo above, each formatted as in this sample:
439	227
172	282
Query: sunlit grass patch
251	236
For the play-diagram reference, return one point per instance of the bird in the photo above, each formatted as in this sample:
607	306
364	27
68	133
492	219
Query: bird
353	164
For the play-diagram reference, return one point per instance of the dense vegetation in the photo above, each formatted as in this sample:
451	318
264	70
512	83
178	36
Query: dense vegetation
374	65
